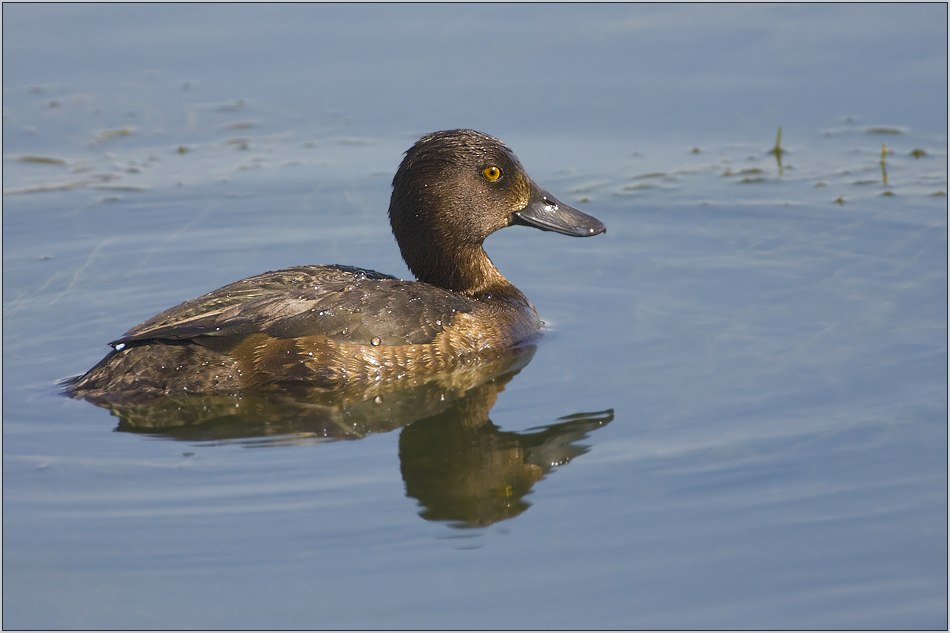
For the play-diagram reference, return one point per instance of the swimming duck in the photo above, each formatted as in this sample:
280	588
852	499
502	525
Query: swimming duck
335	326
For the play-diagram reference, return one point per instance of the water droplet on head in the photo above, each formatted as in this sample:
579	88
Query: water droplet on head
376	341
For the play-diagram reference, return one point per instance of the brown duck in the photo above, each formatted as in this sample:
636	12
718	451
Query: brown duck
339	326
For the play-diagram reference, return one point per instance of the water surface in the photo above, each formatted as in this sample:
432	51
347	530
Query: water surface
737	417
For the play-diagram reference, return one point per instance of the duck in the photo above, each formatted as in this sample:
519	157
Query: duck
335	326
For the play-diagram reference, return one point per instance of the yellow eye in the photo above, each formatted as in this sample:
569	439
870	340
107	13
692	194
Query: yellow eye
492	173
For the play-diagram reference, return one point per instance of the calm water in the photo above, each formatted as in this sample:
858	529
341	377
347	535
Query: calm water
743	386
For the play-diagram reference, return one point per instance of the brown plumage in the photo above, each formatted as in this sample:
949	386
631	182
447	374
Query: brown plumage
336	326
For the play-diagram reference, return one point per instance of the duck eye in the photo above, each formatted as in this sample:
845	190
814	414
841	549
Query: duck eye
492	173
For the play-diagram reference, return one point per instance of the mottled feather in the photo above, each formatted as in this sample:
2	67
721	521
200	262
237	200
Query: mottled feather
343	303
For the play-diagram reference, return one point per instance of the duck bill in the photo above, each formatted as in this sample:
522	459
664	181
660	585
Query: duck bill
545	212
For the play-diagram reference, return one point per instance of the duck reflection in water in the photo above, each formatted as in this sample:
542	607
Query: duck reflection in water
338	352
454	460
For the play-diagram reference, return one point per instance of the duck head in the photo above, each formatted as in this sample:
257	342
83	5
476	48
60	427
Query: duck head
455	188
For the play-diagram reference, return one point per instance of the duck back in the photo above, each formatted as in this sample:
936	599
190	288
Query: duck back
327	326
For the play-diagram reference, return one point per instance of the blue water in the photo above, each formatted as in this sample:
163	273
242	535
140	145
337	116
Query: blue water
746	376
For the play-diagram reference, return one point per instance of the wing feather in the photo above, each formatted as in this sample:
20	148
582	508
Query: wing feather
343	303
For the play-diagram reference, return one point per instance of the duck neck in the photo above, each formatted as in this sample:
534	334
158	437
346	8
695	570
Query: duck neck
467	271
